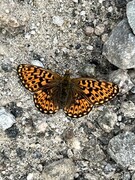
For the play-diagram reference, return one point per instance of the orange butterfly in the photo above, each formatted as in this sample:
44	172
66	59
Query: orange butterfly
76	96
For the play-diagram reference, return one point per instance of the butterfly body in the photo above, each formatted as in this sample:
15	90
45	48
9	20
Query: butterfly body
75	95
61	89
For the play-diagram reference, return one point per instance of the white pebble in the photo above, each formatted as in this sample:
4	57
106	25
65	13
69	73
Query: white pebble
58	20
89	47
55	40
33	32
75	1
38	24
7	11
37	63
42	127
110	9
101	1
82	13
27	36
76	144
6	119
30	176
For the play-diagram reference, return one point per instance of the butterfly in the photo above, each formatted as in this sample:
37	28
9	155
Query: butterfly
52	91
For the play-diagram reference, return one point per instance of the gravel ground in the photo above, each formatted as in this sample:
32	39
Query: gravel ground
59	35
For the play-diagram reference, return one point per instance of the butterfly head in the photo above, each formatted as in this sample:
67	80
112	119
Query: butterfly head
67	74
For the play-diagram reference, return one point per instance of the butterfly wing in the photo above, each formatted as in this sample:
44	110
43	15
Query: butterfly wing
97	92
88	93
43	101
79	107
39	81
85	92
34	78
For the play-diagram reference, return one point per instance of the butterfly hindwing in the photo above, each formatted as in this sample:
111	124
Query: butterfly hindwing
79	107
44	103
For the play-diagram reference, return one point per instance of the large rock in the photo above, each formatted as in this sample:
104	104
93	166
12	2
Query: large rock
119	49
131	14
122	150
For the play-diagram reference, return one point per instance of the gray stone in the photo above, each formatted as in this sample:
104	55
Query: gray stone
128	109
93	153
119	49
126	176
59	170
107	120
133	176
122	150
109	169
131	14
132	75
122	78
6	119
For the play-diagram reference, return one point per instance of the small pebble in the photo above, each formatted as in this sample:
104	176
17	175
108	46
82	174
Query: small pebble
30	176
75	144
33	32
104	37
133	90
27	36
58	20
6	119
110	9
99	29
89	47
37	63
101	1
82	13
42	127
75	1
89	30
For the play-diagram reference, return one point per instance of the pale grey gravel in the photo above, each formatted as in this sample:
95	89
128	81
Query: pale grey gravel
130	11
122	149
63	168
61	35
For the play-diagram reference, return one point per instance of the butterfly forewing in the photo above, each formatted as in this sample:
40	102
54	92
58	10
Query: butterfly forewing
97	92
33	77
